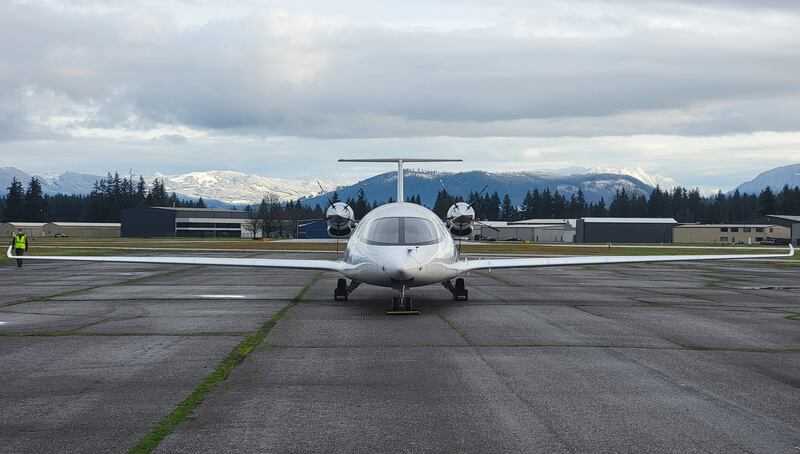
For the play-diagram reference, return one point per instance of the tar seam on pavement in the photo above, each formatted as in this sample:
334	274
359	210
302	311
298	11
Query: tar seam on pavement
151	441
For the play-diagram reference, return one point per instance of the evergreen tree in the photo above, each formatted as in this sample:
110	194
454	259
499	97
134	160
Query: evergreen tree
546	206
157	196
766	202
141	193
599	209
620	205
14	210
506	209
528	208
536	205
559	205
492	206
35	205
582	208
442	203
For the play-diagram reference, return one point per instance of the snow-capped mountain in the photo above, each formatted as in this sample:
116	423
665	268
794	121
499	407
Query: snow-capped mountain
636	172
239	188
427	184
222	187
64	183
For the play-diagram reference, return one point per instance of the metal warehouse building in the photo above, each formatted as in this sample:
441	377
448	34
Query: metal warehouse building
312	228
729	233
83	229
791	222
75	229
183	222
535	230
625	230
31	229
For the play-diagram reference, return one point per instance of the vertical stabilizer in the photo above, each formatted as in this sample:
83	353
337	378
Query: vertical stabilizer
400	161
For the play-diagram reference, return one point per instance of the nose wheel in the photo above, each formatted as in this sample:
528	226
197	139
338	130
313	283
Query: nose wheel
402	305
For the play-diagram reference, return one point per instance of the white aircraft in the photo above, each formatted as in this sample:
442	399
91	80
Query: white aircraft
403	245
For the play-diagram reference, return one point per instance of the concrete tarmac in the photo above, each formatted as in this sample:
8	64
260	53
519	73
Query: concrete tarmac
700	357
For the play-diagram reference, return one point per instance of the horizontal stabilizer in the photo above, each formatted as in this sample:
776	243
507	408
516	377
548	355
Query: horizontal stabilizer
400	162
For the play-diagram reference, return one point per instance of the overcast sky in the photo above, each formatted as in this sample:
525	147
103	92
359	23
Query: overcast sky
705	92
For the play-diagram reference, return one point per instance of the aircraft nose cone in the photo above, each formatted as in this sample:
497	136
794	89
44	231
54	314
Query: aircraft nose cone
402	268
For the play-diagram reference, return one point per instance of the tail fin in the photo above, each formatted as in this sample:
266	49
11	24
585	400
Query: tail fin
400	161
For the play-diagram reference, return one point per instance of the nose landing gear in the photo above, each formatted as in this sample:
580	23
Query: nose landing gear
402	305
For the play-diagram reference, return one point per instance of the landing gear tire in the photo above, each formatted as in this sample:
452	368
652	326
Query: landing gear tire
340	294
395	303
460	292
407	303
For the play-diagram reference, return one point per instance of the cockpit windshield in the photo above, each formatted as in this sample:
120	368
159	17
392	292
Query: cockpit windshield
401	231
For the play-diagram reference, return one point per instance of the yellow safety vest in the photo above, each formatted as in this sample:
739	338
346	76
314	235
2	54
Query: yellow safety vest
19	241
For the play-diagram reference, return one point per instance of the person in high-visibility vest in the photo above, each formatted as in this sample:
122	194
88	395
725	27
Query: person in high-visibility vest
20	243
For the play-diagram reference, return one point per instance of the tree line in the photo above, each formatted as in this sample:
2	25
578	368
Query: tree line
112	194
104	203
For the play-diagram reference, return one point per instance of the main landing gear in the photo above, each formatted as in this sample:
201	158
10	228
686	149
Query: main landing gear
459	291
342	289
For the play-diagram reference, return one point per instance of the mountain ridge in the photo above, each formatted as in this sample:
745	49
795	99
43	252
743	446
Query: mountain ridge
225	188
774	178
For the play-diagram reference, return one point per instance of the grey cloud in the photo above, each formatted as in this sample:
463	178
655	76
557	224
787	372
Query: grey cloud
307	77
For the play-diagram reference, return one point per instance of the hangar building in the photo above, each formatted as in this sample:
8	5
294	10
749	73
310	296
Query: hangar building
729	233
625	230
31	229
183	222
534	230
792	222
82	229
312	228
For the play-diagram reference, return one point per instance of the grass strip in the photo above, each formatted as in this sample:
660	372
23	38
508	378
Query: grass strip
151	441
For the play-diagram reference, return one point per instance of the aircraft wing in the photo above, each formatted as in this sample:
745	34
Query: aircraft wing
327	265
480	264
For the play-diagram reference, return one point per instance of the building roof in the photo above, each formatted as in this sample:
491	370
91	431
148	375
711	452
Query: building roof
571	222
629	220
785	217
544	221
493	223
192	209
86	224
25	224
714	226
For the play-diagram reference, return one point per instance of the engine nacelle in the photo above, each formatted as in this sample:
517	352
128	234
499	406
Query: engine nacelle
460	218
340	219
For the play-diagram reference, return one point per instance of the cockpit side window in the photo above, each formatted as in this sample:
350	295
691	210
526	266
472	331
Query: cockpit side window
401	231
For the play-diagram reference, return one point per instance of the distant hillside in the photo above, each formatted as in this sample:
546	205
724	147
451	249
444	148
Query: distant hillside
775	179
218	188
65	183
515	184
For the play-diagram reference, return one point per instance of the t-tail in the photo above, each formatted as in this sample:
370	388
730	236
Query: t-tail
400	161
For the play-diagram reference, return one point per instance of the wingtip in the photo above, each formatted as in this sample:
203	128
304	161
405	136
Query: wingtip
8	252
791	250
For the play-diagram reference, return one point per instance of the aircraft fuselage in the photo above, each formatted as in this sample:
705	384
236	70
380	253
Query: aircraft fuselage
392	265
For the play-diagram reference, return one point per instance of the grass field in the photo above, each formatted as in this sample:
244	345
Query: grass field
100	246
